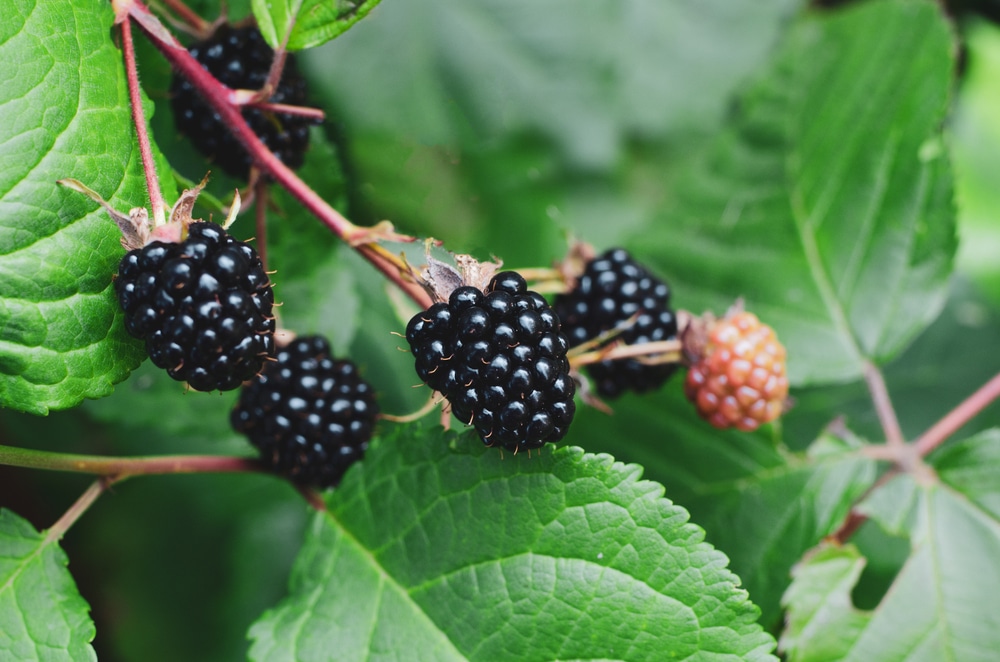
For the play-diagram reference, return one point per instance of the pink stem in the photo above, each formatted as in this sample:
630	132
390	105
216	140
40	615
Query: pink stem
958	417
186	14
883	406
59	529
139	119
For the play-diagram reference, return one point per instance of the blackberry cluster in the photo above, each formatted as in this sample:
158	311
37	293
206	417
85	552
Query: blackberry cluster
612	290
500	359
311	416
241	59
203	307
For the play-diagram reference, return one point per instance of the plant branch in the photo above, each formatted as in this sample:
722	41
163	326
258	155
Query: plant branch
122	467
221	99
883	406
958	417
139	120
79	507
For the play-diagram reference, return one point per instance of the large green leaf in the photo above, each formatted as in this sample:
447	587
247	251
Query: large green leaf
307	23
940	606
491	124
66	114
42	616
456	553
827	203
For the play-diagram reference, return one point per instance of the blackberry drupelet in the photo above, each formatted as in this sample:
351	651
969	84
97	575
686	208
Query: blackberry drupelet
241	59
500	359
203	307
310	415
612	290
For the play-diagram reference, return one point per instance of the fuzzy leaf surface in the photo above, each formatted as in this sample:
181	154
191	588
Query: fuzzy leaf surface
66	114
308	23
761	504
439	547
42	616
942	605
828	201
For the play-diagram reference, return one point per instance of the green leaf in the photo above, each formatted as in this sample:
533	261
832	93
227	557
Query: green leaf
495	125
940	605
827	203
308	23
448	549
42	616
66	114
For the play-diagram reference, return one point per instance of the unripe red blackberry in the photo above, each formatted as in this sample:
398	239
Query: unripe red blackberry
241	59
739	379
499	357
203	306
613	290
310	415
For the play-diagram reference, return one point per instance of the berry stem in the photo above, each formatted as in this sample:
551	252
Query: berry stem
659	352
883	406
120	468
79	507
188	16
139	120
260	219
958	417
220	98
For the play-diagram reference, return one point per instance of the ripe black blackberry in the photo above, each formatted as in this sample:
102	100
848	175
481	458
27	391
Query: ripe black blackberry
311	416
500	359
613	289
241	59
203	306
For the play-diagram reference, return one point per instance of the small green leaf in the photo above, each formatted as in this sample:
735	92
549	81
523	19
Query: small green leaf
822	624
42	616
828	202
941	604
448	549
309	22
66	114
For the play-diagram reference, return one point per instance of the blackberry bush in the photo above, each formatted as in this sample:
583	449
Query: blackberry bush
499	357
203	306
310	415
241	59
614	290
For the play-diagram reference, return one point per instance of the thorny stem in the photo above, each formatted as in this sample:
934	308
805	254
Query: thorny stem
139	120
79	507
958	417
883	406
220	98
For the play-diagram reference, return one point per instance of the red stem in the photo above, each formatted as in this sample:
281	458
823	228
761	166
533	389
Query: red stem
958	417
139	119
186	14
218	97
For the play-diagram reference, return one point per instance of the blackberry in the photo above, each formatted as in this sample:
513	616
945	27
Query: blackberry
499	357
311	416
241	59
203	306
738	379
613	290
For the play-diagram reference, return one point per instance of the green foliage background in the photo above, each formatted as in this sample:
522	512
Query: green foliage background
789	155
